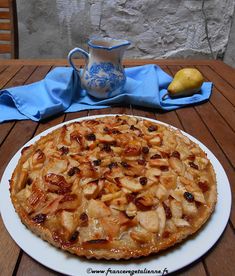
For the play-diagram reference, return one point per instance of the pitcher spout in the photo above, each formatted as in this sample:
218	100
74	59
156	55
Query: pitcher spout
108	43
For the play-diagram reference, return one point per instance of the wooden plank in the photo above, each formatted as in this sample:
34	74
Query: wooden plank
3	68
4	14
30	267
7	74
5	129
75	115
137	62
225	71
223	134
143	113
170	118
220	260
5	37
40	62
130	62
39	74
5	26
21	76
5	48
9	251
194	269
19	79
121	110
19	135
222	105
50	122
112	110
225	88
4	3
99	111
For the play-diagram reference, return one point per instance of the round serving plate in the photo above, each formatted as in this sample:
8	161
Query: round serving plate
170	260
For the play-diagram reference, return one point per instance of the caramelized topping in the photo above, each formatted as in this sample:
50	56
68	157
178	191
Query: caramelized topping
97	241
40	155
166	235
140	206
132	150
57	183
165	154
76	137
132	184
191	157
69	197
203	186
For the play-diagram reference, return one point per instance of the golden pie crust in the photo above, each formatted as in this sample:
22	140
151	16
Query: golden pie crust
114	187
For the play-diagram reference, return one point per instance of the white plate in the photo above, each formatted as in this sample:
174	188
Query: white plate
170	260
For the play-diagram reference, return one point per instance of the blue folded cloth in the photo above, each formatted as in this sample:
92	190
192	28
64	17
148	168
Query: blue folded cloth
60	91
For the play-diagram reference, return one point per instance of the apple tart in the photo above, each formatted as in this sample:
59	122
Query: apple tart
114	187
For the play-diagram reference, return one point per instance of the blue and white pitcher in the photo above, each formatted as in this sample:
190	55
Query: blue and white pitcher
103	75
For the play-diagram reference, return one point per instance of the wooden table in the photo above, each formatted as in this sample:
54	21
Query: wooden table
213	123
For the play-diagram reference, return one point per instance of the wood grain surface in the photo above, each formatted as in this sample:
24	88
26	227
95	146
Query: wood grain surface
212	122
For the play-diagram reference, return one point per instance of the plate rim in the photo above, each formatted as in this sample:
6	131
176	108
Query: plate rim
16	157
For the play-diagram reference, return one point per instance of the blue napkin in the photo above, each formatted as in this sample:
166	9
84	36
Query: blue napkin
60	91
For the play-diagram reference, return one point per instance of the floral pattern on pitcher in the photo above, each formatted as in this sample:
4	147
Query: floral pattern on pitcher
105	75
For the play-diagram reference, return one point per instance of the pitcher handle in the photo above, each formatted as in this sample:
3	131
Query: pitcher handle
72	52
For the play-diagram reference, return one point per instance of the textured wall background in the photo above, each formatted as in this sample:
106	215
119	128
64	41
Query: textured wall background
156	28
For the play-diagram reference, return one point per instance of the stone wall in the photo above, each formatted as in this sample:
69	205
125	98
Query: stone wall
156	28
